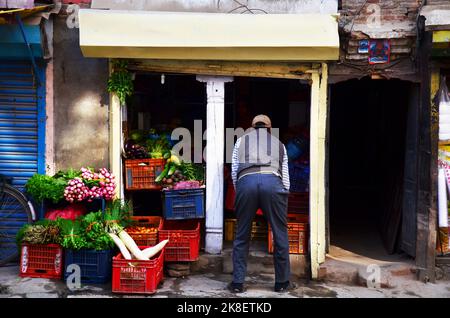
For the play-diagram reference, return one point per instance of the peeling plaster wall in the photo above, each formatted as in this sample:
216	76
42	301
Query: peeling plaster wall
81	103
380	18
224	6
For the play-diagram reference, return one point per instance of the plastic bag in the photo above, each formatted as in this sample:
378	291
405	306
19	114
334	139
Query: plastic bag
71	212
444	111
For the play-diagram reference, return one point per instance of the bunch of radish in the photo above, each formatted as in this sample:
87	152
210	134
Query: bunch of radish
76	190
91	185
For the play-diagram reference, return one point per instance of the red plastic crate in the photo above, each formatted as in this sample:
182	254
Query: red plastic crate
140	174
184	240
298	202
135	276
148	239
297	234
43	261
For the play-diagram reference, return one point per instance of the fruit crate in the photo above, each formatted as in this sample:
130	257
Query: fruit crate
135	276
95	266
184	240
42	261
140	174
184	204
151	222
297	234
259	230
298	203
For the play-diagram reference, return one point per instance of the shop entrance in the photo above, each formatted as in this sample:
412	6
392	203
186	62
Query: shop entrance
287	103
163	102
368	134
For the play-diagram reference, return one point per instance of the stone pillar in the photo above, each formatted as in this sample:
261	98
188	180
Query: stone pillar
215	145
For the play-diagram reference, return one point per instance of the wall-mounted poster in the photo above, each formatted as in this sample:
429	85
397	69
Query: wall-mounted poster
363	46
379	51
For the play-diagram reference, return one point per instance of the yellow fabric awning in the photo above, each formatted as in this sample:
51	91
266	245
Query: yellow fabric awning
24	13
208	36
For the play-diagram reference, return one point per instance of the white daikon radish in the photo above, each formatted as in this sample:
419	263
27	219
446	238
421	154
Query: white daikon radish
123	249
132	246
152	251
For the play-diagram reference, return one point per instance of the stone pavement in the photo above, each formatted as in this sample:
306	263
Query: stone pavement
206	285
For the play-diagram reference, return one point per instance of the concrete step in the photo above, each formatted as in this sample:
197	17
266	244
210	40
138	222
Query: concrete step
259	262
386	275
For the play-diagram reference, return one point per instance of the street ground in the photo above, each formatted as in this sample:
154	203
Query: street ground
213	285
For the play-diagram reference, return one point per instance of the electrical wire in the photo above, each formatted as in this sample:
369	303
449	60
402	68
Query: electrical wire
242	6
357	15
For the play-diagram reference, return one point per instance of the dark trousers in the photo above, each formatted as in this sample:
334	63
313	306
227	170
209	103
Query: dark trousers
264	191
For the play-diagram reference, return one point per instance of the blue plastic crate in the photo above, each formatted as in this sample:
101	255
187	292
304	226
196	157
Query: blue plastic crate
299	177
184	204
95	266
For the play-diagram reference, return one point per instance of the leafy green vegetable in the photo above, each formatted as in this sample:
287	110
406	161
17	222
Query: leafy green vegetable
43	187
41	232
193	171
96	236
68	174
121	81
72	236
158	148
21	234
117	212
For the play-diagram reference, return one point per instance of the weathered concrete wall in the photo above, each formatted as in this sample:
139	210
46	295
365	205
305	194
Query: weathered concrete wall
81	103
224	6
380	18
443	272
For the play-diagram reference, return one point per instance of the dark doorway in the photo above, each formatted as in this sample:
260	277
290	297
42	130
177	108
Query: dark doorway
368	124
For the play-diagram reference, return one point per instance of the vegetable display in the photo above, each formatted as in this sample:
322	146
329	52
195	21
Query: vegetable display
41	232
142	145
116	230
96	230
179	175
42	187
86	232
121	81
141	230
91	185
72	234
72	185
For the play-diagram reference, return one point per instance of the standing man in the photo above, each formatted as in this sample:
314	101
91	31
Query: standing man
261	178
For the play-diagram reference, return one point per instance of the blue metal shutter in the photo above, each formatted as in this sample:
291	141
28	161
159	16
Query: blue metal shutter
22	121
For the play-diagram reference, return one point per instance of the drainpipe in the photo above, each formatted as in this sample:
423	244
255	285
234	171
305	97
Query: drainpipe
29	49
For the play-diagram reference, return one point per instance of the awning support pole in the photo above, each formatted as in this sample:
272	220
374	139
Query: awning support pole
215	139
30	50
317	204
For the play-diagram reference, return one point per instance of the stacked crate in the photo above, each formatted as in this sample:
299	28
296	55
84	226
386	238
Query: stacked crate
182	210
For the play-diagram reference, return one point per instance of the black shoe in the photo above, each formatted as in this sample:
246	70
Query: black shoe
285	287
235	287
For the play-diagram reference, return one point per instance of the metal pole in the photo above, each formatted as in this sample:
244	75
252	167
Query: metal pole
30	51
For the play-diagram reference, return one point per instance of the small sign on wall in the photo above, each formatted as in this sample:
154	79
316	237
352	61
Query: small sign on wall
379	51
363	47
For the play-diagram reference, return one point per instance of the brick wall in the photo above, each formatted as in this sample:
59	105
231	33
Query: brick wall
390	10
379	19
436	2
76	1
